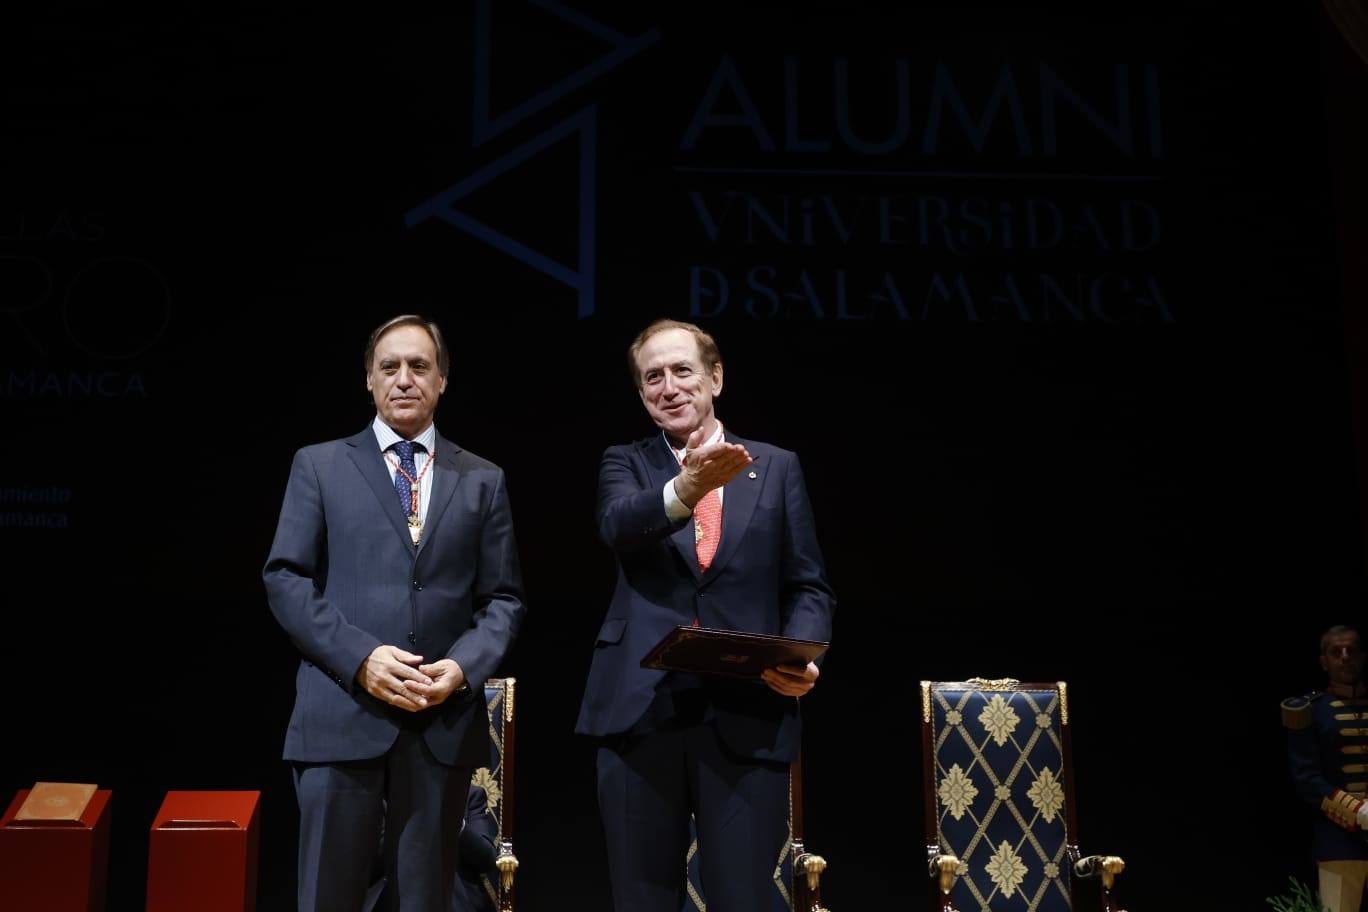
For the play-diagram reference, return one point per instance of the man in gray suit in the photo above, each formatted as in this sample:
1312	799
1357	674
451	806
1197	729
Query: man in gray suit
395	572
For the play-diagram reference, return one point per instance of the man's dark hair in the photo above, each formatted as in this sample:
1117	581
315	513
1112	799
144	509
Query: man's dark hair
443	359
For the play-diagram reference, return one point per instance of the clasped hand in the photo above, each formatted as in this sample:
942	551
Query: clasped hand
401	679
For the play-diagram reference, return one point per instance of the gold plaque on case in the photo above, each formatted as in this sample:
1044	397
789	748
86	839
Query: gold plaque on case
56	801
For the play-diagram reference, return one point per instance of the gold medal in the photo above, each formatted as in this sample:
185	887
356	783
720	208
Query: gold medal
415	528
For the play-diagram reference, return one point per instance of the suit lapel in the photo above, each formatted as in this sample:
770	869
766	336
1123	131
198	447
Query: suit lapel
364	450
661	466
738	506
446	474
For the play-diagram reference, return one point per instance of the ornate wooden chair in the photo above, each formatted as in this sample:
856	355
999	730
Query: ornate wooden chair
1000	827
497	780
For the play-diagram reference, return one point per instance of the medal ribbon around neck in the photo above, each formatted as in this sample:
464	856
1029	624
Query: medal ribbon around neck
415	524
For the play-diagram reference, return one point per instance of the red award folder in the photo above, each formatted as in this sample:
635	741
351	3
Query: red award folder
732	653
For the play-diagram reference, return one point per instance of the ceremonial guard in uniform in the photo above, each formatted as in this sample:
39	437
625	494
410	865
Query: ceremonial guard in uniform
1327	747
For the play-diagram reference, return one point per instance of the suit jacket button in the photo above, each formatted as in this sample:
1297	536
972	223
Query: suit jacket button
418	586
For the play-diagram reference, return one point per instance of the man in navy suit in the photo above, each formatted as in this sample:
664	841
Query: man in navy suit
713	530
395	572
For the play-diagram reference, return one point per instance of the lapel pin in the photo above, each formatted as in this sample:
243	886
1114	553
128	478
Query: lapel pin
752	475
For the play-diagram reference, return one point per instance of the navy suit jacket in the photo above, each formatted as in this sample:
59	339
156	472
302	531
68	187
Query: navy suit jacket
766	577
344	577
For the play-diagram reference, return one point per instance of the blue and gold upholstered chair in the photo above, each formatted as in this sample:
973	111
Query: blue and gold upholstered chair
1001	834
497	781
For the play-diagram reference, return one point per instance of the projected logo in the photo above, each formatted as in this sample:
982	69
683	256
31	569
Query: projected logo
448	205
898	189
79	319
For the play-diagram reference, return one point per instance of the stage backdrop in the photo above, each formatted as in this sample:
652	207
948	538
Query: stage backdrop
1048	303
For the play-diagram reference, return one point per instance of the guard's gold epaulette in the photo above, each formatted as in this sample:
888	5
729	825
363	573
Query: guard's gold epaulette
1296	711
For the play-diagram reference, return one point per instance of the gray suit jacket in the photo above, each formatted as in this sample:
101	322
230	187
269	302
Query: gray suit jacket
344	577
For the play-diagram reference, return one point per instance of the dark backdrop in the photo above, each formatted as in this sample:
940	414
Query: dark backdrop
1049	304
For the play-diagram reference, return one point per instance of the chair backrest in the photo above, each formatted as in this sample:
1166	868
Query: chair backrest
497	778
999	792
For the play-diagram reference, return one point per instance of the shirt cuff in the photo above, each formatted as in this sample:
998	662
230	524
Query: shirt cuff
675	508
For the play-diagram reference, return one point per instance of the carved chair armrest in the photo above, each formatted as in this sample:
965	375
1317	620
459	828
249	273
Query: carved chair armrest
1104	867
809	867
944	868
507	863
